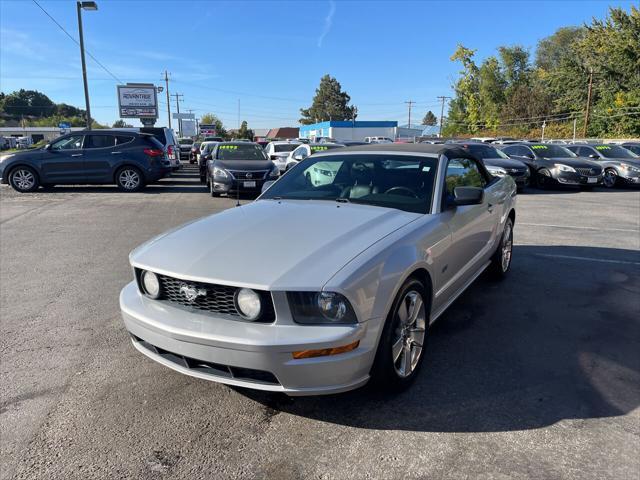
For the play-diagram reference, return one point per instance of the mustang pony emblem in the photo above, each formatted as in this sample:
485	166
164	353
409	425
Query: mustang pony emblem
191	293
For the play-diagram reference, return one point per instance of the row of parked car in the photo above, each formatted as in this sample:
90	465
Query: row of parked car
132	158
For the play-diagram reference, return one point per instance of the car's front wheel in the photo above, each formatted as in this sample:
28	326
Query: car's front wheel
402	343
24	179
544	179
129	179
501	260
610	178
212	191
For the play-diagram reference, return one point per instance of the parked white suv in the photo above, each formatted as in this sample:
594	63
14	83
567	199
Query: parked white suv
279	151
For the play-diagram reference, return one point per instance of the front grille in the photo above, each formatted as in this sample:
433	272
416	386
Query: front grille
249	175
211	297
210	368
589	172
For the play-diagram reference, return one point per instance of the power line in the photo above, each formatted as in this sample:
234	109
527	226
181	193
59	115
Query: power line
76	42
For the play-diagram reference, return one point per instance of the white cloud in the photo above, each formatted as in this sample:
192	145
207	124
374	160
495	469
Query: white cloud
328	22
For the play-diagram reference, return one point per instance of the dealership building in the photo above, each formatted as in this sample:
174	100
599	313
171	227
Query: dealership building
349	130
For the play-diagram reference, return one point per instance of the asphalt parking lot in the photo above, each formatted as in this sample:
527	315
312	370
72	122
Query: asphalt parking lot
538	376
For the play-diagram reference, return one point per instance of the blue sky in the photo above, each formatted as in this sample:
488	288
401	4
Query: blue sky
270	55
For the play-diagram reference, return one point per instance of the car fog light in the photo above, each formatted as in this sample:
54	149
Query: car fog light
151	284
248	304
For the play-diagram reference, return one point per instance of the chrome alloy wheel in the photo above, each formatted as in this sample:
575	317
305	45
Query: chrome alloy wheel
23	179
129	179
409	332
609	178
507	246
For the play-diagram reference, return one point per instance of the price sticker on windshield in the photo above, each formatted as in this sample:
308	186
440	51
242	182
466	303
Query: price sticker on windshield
603	147
228	147
539	147
317	149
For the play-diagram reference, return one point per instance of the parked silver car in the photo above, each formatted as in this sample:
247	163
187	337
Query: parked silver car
621	166
371	260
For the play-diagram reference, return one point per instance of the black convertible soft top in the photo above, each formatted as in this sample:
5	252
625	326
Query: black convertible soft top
449	150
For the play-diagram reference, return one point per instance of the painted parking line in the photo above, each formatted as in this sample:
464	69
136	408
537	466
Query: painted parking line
579	227
588	259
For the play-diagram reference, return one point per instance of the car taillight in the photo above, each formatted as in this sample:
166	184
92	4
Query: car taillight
170	150
153	152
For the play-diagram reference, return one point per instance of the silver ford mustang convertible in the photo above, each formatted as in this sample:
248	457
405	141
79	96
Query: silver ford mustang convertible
331	278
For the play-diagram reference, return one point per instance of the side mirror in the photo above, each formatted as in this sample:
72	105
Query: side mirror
266	185
298	157
47	146
593	155
467	196
530	156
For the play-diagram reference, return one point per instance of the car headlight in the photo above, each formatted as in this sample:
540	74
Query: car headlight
320	307
248	304
496	171
629	168
150	284
564	168
275	171
220	172
6	157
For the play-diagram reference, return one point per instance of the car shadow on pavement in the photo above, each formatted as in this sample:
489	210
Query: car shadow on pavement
558	339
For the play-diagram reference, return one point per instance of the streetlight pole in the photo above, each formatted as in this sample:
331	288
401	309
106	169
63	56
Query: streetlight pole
86	6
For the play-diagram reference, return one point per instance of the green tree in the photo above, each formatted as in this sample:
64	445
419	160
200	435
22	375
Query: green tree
464	108
28	103
491	91
244	131
553	50
212	119
329	103
430	119
121	124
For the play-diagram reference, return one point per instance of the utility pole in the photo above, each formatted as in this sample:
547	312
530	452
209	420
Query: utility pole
166	82
410	104
178	100
444	99
544	124
87	6
586	115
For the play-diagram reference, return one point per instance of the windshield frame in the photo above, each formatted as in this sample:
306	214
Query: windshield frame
431	203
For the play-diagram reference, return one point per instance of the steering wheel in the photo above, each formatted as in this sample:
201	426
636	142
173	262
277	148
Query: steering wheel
407	192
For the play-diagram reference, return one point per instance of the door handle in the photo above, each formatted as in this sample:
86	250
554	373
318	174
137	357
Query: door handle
76	155
116	153
490	207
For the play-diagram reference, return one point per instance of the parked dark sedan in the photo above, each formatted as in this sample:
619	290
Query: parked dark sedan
128	159
555	165
239	166
633	146
498	163
621	166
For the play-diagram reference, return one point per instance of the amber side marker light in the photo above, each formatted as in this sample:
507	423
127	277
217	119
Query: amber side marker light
326	351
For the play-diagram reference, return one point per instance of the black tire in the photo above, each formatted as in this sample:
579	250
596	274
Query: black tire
610	178
24	179
126	179
385	373
203	180
500	266
544	179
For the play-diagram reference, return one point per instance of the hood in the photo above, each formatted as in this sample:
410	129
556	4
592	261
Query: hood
504	163
635	162
271	245
580	162
248	165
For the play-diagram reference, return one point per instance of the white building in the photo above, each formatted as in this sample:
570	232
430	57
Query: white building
349	130
37	133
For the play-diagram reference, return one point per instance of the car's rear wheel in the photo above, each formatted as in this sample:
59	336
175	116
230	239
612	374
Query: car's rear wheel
402	343
610	178
24	179
129	179
501	260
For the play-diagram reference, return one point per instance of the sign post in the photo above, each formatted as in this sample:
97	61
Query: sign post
138	100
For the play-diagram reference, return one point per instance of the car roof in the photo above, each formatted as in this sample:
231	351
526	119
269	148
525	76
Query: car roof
284	142
428	148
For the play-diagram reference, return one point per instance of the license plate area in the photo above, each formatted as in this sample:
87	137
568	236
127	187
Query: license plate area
249	184
592	180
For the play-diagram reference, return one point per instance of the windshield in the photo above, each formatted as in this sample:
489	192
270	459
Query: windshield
285	147
484	151
615	151
185	141
248	151
553	151
392	181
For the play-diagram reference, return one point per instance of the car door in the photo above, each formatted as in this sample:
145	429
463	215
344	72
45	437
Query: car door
473	227
100	154
63	161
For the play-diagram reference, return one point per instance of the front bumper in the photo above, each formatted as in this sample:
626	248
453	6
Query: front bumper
574	178
630	180
234	185
231	351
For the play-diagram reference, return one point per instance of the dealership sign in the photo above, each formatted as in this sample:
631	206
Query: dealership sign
137	100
